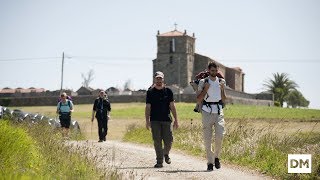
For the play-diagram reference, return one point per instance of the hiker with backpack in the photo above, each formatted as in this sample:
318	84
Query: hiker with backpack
159	103
64	110
211	95
101	110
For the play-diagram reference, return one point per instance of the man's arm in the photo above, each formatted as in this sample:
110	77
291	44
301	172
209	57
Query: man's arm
222	89
223	92
174	113
94	110
58	108
71	107
202	91
147	115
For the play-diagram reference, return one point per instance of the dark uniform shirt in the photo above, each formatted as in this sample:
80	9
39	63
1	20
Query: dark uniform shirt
101	106
160	101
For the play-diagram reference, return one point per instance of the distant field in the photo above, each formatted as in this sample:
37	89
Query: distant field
185	112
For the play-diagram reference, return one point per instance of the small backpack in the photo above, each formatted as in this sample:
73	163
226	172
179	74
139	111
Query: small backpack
60	104
202	75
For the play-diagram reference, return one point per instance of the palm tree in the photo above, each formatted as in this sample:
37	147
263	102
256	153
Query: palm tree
280	86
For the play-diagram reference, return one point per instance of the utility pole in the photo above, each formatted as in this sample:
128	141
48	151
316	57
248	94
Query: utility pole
179	96
62	64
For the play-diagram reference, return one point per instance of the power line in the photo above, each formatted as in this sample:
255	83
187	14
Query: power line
141	59
30	59
113	58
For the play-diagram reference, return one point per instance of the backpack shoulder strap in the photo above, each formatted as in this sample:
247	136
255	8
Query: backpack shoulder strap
69	104
206	80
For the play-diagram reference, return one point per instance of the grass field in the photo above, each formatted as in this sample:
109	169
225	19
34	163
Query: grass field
185	112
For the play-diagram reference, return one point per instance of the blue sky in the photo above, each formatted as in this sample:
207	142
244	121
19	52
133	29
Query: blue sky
117	39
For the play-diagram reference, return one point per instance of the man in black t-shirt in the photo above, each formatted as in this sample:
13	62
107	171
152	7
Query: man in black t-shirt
101	110
159	104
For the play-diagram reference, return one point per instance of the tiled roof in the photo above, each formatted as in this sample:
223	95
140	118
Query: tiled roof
21	90
173	33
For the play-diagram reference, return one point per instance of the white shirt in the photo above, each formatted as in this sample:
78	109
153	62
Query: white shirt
213	95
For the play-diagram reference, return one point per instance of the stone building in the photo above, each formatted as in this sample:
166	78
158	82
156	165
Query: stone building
177	59
85	91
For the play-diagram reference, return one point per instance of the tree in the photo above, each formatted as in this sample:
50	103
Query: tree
87	79
280	86
127	84
296	99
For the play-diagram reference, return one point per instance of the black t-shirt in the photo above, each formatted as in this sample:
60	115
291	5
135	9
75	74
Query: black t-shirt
160	101
101	106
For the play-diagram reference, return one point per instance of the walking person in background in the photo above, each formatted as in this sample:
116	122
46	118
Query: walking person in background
212	95
101	110
159	103
64	110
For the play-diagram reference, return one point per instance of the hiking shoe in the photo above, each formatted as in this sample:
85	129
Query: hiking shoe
158	165
167	159
217	163
100	140
210	167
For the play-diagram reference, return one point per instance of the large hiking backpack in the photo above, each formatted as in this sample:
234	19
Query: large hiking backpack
201	75
195	83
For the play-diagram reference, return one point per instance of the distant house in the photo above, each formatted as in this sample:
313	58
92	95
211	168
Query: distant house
84	91
126	91
139	92
113	91
96	92
21	92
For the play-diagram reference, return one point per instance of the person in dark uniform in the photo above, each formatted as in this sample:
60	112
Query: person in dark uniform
159	104
101	110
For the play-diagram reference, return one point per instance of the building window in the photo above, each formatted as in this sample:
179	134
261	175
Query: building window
172	46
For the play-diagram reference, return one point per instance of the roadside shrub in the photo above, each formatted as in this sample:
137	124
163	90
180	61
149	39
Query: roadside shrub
277	103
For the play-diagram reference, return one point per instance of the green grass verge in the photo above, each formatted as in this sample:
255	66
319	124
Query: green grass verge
36	151
19	153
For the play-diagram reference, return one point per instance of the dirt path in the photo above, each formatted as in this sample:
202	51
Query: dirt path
136	162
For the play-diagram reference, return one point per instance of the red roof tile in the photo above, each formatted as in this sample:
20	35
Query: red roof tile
173	33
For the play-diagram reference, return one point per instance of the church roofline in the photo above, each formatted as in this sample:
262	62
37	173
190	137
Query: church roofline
174	33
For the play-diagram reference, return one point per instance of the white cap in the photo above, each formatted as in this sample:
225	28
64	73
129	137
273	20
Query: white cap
159	74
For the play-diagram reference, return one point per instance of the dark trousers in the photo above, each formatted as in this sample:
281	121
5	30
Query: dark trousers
102	128
161	131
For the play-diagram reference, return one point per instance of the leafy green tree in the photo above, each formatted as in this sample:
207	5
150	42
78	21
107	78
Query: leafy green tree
296	99
280	85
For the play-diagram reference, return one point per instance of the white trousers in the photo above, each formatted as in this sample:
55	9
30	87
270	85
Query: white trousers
208	121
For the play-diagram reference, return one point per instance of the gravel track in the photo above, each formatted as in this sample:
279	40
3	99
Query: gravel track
137	161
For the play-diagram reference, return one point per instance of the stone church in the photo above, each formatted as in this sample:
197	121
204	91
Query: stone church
177	59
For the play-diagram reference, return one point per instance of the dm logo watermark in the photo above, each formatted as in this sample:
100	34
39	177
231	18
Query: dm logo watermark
299	163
